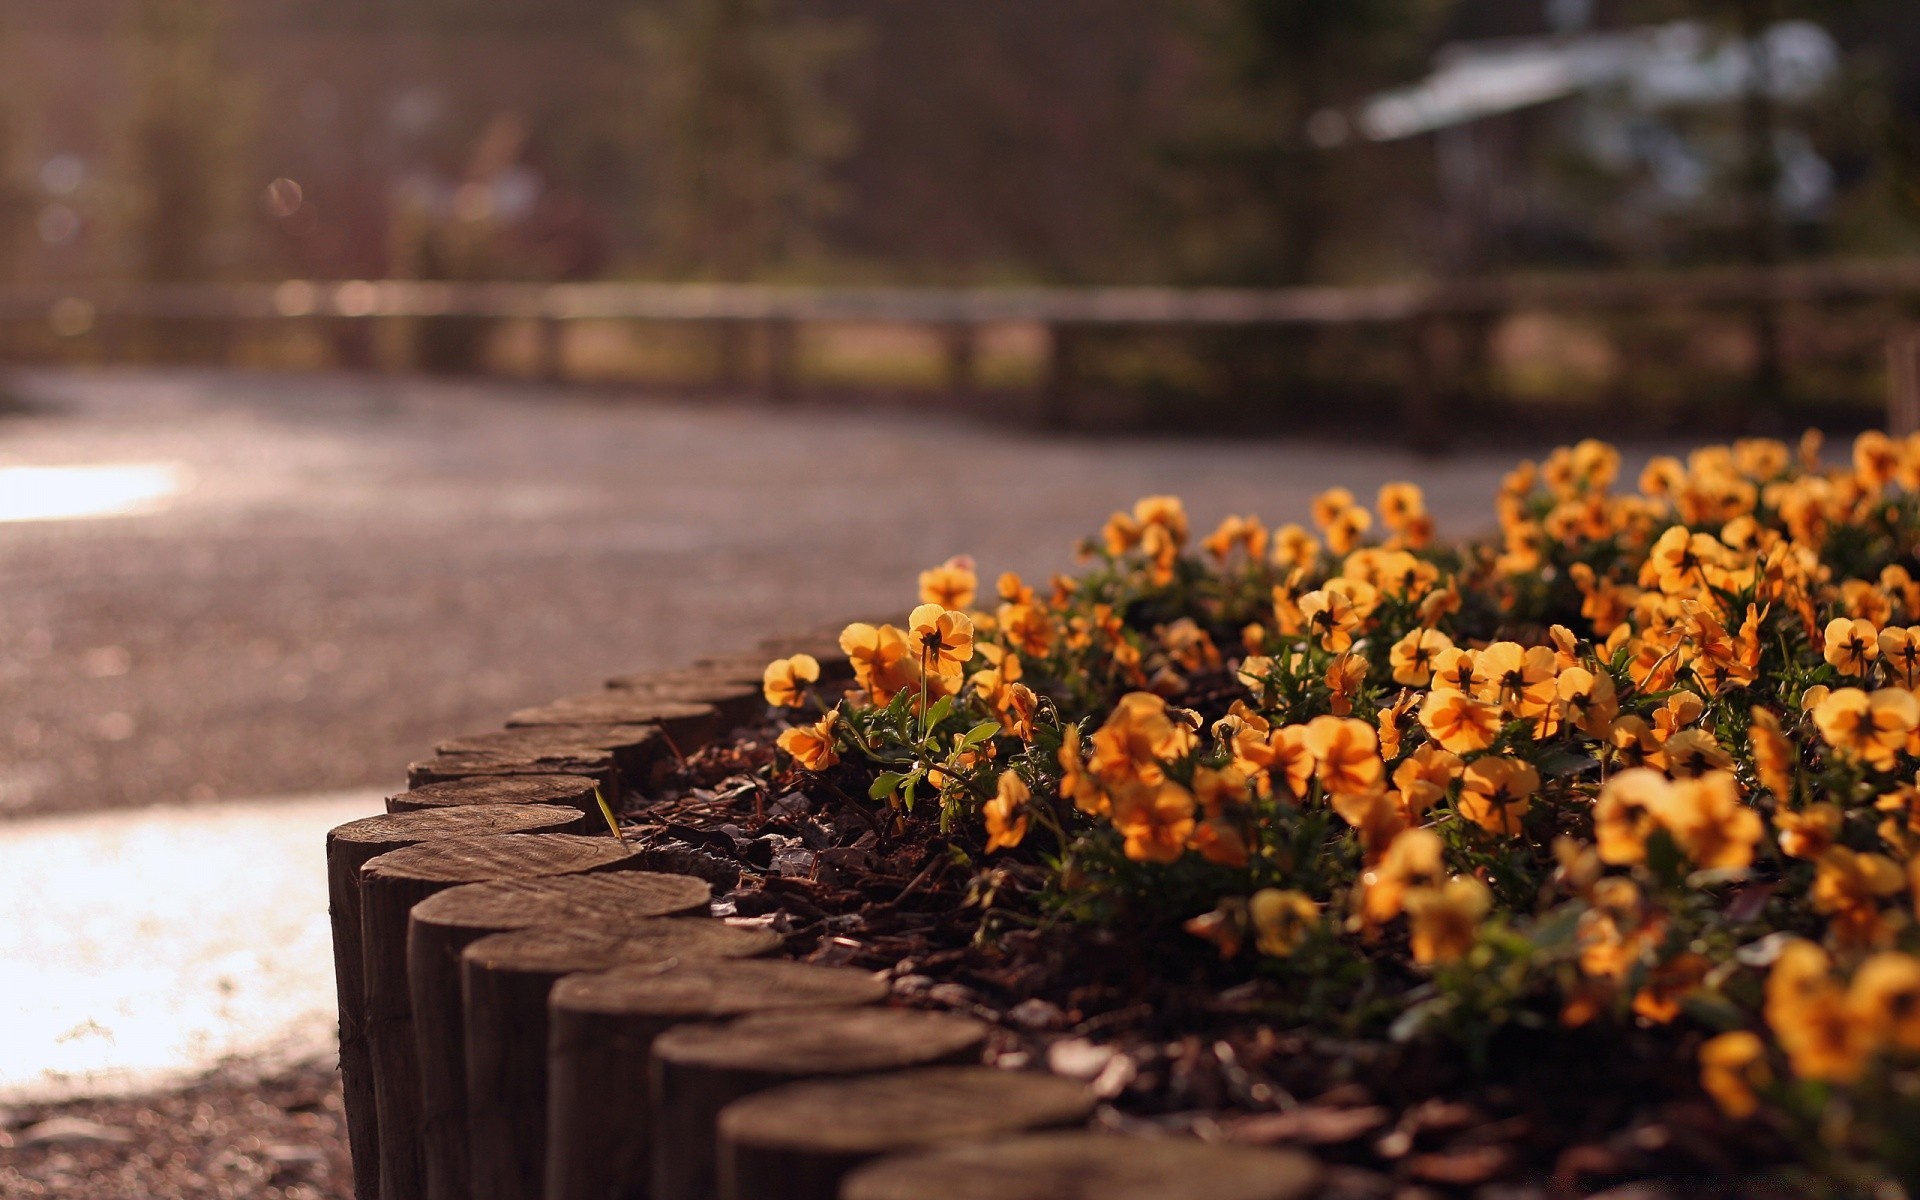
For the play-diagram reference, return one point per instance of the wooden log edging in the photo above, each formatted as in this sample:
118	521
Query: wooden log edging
349	848
390	885
601	1033
604	1056
573	791
505	980
697	1070
1087	1166
799	1141
443	925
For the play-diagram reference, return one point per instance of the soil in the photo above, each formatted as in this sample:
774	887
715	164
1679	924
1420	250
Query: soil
233	1136
1174	1044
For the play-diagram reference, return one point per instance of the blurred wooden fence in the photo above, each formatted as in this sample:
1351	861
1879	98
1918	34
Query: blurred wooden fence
1412	313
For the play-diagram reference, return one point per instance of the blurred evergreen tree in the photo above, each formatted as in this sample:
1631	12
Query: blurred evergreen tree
1260	161
184	190
732	131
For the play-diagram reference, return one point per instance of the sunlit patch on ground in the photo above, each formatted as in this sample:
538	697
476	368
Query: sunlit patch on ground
69	493
145	947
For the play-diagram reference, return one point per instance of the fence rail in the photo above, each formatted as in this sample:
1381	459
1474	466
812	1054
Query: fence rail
1379	303
1414	309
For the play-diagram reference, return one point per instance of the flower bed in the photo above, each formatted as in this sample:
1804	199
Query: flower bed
1578	855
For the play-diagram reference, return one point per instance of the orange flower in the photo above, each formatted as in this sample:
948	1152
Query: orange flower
882	661
1345	674
1459	722
1006	813
1164	512
1885	999
1412	656
1518	679
1330	617
1453	670
1678	560
1076	784
1708	821
785	680
1136	739
1808	1015
1155	819
812	746
1234	531
1400	504
1851	645
1347	754
1222	796
1424	776
1848	889
1871	728
1692	752
1900	650
1773	756
1496	792
1293	546
1808	833
1026	628
1328	505
1280	753
942	639
1623	815
1731	1066
952	584
1413	859
1445	920
1282	920
1587	701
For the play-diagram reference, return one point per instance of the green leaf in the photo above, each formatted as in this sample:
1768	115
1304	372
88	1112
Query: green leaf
913	783
980	733
939	711
883	786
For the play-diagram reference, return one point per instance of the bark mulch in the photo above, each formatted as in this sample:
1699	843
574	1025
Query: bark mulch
1171	1046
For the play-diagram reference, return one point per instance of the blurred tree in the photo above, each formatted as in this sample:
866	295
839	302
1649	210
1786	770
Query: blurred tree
733	131
1258	161
186	128
16	197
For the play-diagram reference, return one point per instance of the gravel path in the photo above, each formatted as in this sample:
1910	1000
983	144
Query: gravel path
356	567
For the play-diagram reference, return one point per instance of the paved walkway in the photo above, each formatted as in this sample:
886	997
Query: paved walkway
268	585
140	948
229	585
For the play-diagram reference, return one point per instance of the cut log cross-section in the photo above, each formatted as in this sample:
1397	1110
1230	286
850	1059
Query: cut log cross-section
620	756
591	761
687	725
602	1030
775	1143
737	701
505	982
349	848
574	791
1087	1166
390	886
700	1069
443	925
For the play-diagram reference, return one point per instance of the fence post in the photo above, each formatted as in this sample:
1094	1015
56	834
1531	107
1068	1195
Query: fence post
962	358
1420	417
1903	381
1062	376
552	353
783	354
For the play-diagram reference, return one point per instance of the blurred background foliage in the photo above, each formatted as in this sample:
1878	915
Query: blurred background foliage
1104	141
1183	142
